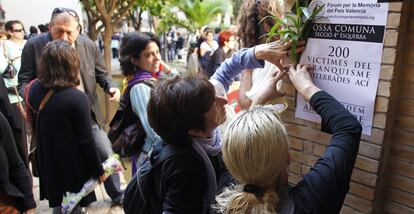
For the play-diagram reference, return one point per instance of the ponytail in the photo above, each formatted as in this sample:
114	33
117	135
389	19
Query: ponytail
237	201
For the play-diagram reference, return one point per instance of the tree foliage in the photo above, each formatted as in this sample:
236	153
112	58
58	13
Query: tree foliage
108	13
236	7
197	13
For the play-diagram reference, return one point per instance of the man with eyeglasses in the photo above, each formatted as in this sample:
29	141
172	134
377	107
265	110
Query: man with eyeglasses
65	25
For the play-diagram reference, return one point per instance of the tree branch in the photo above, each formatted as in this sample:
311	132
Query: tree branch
124	11
88	8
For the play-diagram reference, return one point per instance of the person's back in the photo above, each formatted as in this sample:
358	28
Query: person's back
65	25
61	122
185	168
60	133
59	111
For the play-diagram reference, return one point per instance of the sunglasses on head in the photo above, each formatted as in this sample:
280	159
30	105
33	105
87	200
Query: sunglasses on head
60	10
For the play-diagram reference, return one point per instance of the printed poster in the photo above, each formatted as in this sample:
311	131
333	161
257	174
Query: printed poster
345	48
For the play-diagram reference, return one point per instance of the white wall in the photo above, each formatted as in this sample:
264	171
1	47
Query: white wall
35	12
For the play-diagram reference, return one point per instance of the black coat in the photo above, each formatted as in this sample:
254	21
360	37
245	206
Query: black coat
14	178
92	67
15	121
66	152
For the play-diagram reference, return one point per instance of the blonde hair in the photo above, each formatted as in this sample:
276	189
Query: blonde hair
255	151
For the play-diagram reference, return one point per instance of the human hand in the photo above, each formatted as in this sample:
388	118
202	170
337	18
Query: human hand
302	80
115	94
31	211
269	90
165	67
276	52
102	178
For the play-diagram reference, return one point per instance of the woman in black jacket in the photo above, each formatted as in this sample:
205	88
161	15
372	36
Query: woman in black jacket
66	155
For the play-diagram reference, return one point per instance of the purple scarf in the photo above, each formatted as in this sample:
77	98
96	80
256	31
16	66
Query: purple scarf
142	75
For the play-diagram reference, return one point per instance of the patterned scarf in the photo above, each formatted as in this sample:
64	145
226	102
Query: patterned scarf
139	76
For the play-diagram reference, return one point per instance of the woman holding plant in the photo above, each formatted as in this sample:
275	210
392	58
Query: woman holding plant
265	21
251	31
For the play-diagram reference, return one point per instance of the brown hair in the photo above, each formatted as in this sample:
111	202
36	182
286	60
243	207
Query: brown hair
59	65
252	12
132	45
179	104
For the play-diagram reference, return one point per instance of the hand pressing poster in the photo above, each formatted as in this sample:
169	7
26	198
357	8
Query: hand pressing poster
345	48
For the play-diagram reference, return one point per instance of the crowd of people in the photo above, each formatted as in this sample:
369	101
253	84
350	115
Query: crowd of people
48	95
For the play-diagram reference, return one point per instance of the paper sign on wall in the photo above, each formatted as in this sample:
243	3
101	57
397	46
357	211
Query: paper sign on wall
346	50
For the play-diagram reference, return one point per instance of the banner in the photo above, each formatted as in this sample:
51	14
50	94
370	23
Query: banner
345	48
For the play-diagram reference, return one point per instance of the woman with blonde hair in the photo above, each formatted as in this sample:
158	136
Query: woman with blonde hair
255	151
252	142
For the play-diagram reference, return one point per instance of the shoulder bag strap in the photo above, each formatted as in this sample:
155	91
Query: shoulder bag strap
42	105
4	51
210	46
36	125
45	99
26	96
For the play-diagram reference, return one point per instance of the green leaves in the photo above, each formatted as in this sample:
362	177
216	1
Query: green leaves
201	12
294	28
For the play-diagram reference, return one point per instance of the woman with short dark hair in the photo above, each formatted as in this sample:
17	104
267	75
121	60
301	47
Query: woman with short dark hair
186	112
61	116
59	74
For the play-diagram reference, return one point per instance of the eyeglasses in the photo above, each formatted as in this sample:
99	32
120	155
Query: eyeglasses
60	10
17	30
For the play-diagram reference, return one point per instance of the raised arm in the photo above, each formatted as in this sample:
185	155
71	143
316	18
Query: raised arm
231	67
250	58
323	188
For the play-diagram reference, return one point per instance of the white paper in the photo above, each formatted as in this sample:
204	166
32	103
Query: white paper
346	49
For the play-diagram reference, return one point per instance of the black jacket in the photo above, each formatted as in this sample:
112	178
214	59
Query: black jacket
324	187
181	181
66	152
15	122
92	67
14	178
